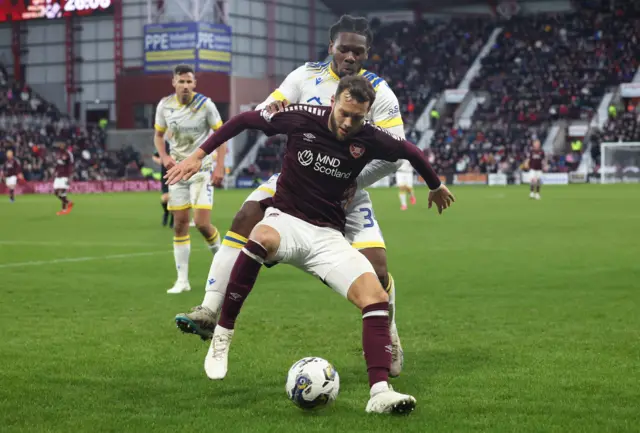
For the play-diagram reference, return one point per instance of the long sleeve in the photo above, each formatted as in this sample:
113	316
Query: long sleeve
410	152
376	170
248	120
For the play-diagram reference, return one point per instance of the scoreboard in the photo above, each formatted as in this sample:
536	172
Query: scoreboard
21	10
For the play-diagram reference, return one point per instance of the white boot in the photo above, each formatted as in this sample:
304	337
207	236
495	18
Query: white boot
179	287
385	400
215	364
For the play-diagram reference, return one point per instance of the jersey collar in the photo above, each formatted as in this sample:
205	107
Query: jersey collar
180	104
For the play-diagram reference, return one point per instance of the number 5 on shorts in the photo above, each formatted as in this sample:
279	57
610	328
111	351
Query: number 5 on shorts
368	216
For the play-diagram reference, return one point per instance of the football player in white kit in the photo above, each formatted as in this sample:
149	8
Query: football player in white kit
404	179
185	119
315	83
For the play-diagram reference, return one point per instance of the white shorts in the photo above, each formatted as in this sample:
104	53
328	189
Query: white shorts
404	179
61	183
11	181
196	193
319	251
535	174
362	229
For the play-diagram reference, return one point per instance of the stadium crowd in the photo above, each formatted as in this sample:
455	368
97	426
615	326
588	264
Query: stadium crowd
542	68
29	125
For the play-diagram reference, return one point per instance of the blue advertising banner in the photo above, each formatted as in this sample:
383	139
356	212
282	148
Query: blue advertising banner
204	46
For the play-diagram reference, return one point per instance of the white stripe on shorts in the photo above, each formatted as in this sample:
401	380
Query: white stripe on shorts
376	313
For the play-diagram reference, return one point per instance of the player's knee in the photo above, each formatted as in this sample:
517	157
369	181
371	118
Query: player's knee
247	217
266	236
204	227
366	290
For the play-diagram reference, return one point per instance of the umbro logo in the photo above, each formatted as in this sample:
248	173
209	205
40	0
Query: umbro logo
388	348
235	296
308	137
318	80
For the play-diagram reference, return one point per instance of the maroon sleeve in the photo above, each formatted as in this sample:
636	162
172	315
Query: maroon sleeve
392	148
420	163
243	121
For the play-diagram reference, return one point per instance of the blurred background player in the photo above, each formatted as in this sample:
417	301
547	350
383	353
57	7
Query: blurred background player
185	119
535	161
167	217
404	179
64	170
11	171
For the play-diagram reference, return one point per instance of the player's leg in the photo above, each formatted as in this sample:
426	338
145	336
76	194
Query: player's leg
11	185
538	185
409	186
364	234
164	202
201	196
403	197
201	320
263	244
532	185
179	205
355	278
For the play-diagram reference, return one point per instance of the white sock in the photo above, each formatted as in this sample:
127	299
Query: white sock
379	387
403	198
181	251
220	271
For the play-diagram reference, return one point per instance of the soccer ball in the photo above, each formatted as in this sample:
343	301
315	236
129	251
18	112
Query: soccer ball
312	383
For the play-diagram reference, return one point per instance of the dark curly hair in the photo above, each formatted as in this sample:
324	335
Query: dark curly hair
351	24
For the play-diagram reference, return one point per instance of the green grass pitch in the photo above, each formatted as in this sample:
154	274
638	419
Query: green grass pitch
515	316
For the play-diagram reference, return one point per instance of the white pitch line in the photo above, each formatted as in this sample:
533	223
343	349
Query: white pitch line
74	244
82	259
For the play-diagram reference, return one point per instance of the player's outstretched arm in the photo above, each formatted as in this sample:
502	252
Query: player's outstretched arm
247	120
237	124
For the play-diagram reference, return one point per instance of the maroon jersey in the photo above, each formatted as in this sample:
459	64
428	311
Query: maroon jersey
64	163
317	168
11	167
535	159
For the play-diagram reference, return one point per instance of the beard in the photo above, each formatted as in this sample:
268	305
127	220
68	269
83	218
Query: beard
334	124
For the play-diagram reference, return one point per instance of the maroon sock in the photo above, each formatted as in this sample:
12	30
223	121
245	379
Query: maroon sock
376	341
243	277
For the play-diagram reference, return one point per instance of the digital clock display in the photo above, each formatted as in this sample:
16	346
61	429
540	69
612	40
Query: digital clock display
20	10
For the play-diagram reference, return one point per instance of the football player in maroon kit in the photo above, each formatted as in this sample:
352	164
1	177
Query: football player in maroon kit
12	172
535	163
64	170
304	222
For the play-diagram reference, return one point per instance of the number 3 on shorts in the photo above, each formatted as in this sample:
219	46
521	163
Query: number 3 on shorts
368	216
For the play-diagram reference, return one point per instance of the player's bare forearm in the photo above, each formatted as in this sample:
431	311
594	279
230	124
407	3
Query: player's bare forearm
158	142
236	125
420	163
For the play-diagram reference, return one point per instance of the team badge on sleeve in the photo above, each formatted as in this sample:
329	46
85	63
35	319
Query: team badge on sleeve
357	150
